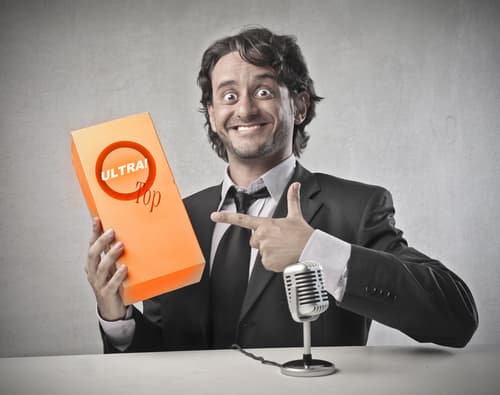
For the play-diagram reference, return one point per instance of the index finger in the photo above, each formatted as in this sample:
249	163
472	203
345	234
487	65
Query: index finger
238	219
96	230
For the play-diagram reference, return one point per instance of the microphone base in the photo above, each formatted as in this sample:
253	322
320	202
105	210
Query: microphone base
314	368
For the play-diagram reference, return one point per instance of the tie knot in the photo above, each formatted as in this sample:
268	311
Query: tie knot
244	200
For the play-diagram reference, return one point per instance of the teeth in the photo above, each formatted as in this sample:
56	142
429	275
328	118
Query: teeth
250	127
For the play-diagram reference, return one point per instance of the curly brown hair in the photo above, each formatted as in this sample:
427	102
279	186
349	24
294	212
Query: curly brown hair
260	47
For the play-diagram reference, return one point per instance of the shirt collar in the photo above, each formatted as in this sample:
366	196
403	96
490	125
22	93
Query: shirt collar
275	180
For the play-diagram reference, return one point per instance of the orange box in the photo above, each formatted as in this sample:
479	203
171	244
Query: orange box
128	184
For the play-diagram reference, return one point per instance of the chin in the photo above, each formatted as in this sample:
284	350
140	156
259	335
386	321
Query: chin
249	151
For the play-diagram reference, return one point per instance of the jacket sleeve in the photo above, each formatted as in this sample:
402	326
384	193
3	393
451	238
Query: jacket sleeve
147	334
398	286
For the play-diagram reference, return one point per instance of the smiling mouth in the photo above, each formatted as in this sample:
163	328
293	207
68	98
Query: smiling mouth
246	128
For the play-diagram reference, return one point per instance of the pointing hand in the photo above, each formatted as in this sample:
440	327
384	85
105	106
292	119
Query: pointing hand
280	241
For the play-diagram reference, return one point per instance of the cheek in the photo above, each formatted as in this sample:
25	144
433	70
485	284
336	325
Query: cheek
273	110
219	117
281	109
286	117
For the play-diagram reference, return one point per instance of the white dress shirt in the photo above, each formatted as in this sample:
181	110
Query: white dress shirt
331	252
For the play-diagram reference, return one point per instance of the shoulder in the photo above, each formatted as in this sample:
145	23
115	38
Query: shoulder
354	199
203	194
350	188
208	197
349	195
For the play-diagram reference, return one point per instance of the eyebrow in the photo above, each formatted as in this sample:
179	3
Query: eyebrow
259	77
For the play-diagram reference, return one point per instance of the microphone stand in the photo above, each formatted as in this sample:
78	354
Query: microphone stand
307	367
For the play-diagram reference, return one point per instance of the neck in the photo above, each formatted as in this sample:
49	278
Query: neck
244	172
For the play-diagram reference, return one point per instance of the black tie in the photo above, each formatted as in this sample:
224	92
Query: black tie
229	277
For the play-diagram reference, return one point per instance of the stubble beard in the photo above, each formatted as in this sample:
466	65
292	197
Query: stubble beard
252	151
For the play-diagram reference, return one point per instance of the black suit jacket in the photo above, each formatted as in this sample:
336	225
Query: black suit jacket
387	281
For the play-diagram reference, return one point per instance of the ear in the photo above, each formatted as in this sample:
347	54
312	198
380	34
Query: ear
301	103
211	116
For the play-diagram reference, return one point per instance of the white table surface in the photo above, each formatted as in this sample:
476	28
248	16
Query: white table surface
385	370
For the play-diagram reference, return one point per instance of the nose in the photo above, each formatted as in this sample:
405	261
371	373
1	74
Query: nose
247	108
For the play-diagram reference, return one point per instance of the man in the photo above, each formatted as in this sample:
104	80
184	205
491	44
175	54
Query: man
258	97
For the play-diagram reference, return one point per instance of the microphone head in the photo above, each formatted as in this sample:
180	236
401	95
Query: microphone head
305	290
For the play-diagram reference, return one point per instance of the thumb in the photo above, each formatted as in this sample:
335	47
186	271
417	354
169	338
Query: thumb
293	198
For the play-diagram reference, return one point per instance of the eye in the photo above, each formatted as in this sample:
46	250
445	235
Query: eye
263	93
229	97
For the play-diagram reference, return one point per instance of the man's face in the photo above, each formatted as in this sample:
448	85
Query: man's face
252	114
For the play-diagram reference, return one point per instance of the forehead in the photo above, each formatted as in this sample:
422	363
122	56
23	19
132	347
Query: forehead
232	68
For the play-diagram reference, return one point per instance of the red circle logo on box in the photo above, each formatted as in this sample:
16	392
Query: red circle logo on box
125	170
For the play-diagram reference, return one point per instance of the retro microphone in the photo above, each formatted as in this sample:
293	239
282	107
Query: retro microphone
307	299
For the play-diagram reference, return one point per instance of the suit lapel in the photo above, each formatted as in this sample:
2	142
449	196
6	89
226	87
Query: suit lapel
200	216
260	276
